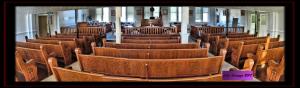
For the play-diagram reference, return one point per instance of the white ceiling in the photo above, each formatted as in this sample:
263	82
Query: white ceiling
45	9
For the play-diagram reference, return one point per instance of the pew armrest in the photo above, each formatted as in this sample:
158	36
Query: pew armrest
248	65
250	55
273	63
31	61
31	71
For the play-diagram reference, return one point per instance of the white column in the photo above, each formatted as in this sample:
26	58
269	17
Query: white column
275	23
118	25
184	23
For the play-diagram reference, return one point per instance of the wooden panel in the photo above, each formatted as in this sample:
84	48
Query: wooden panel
150	41
28	45
151	68
152	46
67	75
152	53
234	51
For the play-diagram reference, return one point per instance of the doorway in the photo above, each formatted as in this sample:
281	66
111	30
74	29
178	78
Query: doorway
43	26
263	24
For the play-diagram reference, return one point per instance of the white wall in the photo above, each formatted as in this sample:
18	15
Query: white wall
281	26
20	21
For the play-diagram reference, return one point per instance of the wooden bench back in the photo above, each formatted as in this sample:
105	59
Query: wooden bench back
39	55
29	45
69	75
151	53
43	41
151	68
150	41
251	48
222	44
263	56
274	44
50	49
234	51
214	41
152	46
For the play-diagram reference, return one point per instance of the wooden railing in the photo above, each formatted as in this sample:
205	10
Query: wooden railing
67	30
195	31
151	30
83	30
92	30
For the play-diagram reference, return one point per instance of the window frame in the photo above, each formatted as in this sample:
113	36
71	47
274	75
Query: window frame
178	14
201	14
126	14
102	14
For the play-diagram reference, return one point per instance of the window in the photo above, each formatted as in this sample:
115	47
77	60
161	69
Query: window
205	14
201	14
156	12
127	14
82	15
102	14
67	18
147	12
175	14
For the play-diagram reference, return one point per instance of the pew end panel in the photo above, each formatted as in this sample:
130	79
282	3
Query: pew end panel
78	52
28	69
53	63
275	70
45	56
234	52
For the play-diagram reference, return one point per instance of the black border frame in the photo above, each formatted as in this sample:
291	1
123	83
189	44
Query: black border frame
9	40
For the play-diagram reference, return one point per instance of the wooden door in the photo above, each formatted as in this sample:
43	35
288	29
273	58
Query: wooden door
43	26
263	24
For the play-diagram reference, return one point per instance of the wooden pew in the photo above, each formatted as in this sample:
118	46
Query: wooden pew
152	46
273	44
36	67
233	52
69	75
68	46
248	52
151	68
239	48
51	50
264	56
252	48
150	41
28	45
151	53
215	40
84	42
